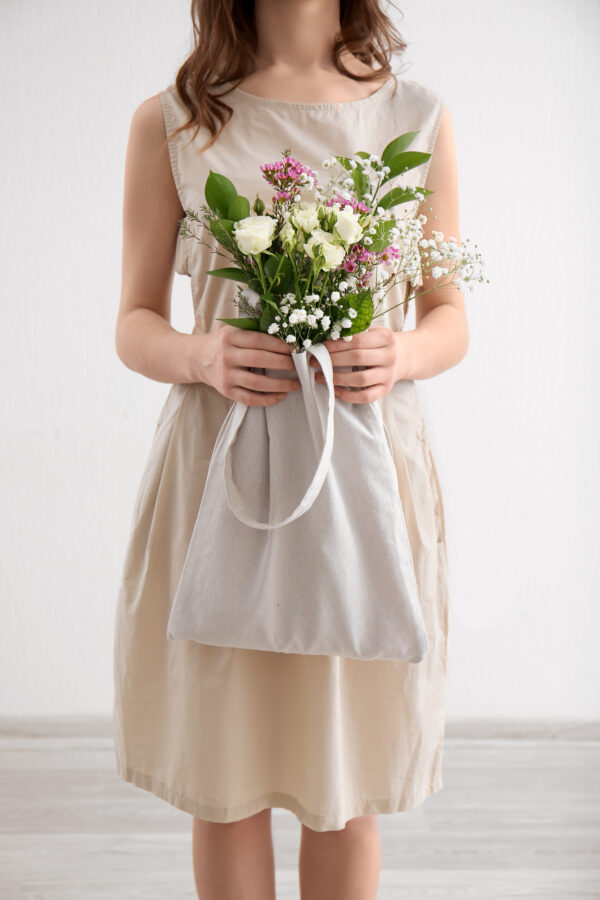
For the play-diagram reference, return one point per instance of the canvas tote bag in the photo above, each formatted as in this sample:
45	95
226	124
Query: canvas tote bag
300	543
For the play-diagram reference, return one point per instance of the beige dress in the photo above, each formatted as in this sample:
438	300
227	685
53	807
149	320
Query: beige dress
224	732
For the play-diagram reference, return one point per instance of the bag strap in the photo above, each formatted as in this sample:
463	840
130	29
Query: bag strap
314	411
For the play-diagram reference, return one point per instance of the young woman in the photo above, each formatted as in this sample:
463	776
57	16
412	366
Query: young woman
228	733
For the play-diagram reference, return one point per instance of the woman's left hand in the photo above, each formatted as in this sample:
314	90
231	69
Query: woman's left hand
379	349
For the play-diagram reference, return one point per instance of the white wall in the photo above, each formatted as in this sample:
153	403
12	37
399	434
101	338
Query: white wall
514	428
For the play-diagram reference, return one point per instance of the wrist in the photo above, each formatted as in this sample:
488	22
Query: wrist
192	352
404	366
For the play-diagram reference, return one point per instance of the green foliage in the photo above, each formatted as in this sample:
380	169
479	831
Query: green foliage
382	237
363	304
361	182
229	272
248	324
395	197
397	146
278	270
344	161
222	230
219	192
269	311
258	206
403	162
239	208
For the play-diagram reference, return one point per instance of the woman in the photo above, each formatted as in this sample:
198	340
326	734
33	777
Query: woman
228	733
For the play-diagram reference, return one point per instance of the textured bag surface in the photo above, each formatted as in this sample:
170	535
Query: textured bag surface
300	543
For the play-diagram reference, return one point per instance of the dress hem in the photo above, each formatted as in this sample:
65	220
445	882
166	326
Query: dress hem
277	799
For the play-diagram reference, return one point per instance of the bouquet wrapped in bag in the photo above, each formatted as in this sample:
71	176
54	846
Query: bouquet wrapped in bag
300	543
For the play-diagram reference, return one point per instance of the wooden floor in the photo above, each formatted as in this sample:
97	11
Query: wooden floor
519	816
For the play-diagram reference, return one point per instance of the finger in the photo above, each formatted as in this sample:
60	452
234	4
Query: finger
361	396
256	382
246	337
363	355
364	378
374	336
255	398
253	357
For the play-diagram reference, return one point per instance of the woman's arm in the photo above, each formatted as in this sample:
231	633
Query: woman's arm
440	338
144	339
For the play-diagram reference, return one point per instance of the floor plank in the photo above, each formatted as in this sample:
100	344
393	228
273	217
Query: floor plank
517	817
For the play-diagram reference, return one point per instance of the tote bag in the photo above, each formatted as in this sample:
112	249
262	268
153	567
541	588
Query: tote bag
300	542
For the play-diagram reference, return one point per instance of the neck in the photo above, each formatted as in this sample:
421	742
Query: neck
296	35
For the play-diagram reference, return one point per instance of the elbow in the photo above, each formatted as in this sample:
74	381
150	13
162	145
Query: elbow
121	344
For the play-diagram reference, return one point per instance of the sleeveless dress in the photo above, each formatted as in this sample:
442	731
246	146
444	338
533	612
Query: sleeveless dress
220	732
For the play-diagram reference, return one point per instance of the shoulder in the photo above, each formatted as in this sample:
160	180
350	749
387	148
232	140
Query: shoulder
147	120
417	92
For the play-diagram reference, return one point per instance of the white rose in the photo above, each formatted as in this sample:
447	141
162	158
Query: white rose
333	255
305	216
287	235
254	233
321	241
347	226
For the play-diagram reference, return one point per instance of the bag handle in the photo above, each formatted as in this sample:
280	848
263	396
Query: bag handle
234	498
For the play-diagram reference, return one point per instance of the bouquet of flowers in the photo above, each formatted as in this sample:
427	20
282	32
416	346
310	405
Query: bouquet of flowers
277	496
319	263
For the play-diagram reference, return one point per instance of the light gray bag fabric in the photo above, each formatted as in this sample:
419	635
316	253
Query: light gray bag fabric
300	543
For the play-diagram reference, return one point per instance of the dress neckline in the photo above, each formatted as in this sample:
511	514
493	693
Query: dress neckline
331	104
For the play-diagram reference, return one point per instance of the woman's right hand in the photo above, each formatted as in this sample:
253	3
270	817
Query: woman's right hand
224	359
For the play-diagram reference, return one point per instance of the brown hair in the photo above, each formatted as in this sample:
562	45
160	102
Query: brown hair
225	42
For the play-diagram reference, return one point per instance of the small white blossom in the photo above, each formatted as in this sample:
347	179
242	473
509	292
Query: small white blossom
335	295
346	322
343	285
307	342
367	240
291	338
325	322
273	327
352	312
312	321
347	337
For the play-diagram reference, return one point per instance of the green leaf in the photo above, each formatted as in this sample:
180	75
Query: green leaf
222	231
363	304
219	192
248	324
239	208
404	162
397	146
269	311
361	182
278	269
363	154
382	237
344	161
394	197
271	265
229	272
255	283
